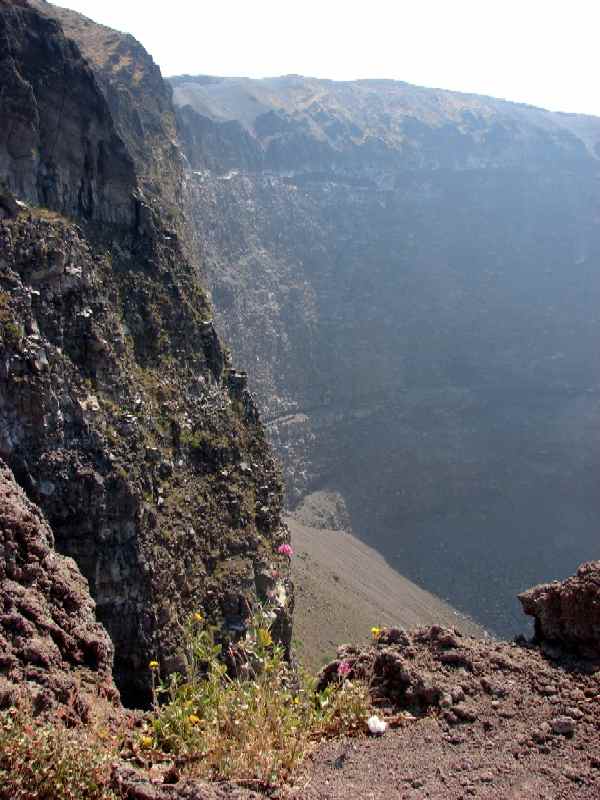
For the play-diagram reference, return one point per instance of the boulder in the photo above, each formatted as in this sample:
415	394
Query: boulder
567	613
9	208
53	652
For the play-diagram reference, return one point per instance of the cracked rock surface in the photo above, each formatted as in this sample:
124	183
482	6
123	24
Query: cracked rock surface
121	414
52	649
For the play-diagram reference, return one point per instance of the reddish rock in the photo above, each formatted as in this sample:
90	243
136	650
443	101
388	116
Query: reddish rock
52	650
568	613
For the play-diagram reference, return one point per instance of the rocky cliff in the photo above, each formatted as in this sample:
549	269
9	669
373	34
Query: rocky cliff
50	99
120	413
418	269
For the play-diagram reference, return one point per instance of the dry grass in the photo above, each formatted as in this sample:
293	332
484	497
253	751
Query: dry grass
258	729
46	760
255	729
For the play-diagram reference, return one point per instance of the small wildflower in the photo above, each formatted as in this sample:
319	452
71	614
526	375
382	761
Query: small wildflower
263	637
146	741
343	668
197	617
153	665
376	725
375	631
285	550
193	719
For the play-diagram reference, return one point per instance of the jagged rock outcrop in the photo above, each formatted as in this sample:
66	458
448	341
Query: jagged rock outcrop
120	412
567	613
52	649
418	267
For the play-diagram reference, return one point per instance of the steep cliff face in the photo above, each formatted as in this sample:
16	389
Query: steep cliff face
50	101
140	104
120	413
419	269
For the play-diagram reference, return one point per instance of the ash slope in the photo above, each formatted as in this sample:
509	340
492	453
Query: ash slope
420	272
342	587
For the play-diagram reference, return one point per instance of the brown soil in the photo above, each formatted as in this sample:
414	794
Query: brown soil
516	726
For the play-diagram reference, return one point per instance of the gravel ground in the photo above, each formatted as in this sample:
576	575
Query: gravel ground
467	719
510	725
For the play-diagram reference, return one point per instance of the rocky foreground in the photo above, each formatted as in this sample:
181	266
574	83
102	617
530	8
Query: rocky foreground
465	717
53	652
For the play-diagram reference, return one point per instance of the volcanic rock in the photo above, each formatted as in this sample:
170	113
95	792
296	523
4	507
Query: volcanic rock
52	649
117	413
568	613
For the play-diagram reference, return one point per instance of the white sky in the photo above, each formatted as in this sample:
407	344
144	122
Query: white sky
544	52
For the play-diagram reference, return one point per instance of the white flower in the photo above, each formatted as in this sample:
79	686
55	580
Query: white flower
376	726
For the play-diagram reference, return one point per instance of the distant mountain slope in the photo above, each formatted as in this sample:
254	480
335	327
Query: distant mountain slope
413	277
303	123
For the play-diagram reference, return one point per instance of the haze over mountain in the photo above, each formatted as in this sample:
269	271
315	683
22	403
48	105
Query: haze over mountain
412	278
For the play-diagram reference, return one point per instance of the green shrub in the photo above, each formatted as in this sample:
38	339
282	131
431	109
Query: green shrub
257	727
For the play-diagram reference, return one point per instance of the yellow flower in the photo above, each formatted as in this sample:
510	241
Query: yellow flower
153	665
193	719
146	741
197	617
375	632
263	637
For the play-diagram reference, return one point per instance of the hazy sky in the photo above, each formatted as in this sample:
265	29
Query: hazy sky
543	52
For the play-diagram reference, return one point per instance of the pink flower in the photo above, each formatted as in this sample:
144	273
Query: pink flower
285	550
343	668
